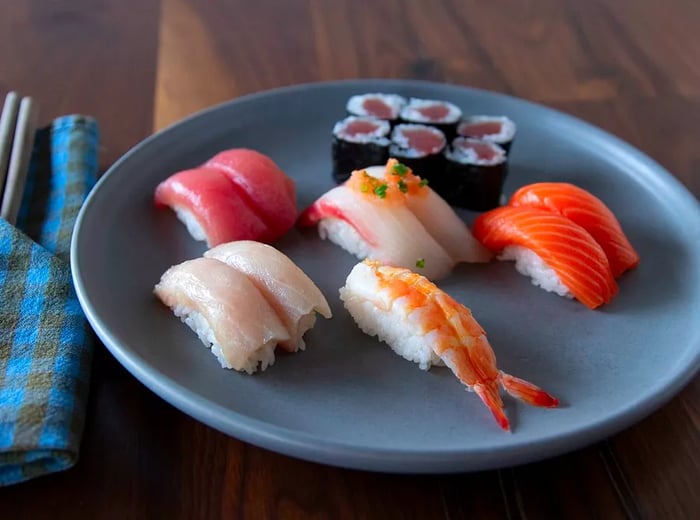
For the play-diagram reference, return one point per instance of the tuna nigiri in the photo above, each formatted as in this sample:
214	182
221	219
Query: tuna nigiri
226	311
425	325
207	203
586	210
264	185
558	254
238	194
288	290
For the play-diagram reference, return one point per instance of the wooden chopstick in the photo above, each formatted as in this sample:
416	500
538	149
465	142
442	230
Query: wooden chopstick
8	120
19	159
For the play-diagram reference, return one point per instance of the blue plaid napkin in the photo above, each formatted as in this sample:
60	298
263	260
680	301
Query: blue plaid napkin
45	344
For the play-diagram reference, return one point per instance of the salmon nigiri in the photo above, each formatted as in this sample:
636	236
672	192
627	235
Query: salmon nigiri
586	210
292	294
423	324
558	254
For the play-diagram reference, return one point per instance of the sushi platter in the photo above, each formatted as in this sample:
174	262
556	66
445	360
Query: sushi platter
323	270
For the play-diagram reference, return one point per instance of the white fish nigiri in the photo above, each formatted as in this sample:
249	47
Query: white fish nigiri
226	311
288	290
437	217
371	223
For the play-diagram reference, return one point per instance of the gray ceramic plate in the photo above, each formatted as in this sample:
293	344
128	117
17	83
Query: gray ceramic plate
348	400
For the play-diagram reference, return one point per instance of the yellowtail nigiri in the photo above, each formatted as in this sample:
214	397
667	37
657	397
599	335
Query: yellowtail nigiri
226	311
436	215
288	290
369	220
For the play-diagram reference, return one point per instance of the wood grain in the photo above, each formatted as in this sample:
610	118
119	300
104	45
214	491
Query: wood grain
94	57
629	66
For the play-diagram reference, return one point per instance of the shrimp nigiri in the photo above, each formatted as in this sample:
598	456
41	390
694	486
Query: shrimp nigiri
558	254
425	325
586	210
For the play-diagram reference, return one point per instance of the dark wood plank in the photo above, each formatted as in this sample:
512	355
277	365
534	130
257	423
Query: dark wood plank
232	48
655	33
577	485
660	459
95	58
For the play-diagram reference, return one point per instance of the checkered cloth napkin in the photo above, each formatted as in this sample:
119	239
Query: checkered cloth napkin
45	343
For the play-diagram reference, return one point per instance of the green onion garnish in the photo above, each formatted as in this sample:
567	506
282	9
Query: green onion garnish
423	182
380	191
402	186
420	263
399	169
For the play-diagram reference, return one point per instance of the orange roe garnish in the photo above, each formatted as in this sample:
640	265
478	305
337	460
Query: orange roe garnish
397	183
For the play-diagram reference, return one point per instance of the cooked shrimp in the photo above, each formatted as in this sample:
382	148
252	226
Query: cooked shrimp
423	324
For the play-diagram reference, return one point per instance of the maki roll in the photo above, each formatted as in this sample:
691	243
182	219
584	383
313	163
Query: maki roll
495	129
381	106
420	148
474	174
440	114
357	142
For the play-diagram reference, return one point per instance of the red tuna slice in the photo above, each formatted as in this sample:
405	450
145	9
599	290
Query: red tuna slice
425	140
436	112
480	128
361	126
267	188
377	107
474	151
214	201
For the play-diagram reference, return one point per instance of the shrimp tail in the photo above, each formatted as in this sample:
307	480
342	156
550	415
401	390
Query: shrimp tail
527	392
490	397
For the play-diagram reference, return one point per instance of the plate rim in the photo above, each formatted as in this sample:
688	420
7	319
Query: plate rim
309	447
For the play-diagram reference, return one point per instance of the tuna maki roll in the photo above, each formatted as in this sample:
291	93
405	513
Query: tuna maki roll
475	171
495	129
440	114
381	106
357	143
420	148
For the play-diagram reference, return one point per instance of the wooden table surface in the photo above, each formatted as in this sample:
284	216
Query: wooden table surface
629	66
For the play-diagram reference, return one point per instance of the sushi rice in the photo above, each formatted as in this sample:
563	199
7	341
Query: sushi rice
377	316
528	263
264	355
344	235
194	228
